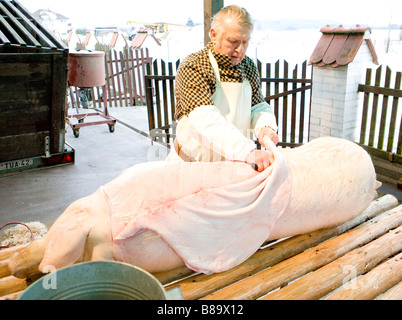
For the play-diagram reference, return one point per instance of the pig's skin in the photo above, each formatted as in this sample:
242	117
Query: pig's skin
332	181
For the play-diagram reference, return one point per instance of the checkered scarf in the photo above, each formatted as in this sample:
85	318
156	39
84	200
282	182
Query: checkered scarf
196	83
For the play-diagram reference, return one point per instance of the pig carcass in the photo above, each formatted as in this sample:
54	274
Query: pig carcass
208	216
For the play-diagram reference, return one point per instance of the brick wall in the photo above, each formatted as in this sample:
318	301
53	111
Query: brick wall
336	103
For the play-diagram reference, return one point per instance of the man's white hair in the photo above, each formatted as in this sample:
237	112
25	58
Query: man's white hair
232	11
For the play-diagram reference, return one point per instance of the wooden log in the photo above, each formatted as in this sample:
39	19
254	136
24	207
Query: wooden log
11	284
12	296
319	283
393	294
310	260
373	283
173	275
202	285
4	270
8	252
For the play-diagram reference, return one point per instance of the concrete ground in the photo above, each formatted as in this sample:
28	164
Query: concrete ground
99	157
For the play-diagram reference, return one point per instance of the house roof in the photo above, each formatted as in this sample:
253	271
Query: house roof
339	46
115	36
140	38
47	13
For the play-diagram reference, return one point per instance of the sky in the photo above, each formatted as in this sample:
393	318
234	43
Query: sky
93	13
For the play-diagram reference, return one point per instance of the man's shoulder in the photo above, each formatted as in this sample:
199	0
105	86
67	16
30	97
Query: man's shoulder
197	60
249	63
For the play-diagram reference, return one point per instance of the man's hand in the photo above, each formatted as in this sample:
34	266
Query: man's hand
267	132
262	158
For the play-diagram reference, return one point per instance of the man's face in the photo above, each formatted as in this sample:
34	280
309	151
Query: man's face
233	42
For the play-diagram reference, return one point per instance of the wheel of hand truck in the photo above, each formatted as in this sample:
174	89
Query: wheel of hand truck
76	133
111	127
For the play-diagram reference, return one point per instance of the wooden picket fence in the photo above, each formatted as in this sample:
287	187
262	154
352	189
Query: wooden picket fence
133	78
293	113
381	128
289	91
160	99
125	71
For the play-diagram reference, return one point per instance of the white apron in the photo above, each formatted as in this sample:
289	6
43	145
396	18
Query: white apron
231	101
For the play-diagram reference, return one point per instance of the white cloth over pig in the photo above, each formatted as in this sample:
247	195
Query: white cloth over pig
214	215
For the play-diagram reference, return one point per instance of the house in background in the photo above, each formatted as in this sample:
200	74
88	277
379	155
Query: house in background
53	21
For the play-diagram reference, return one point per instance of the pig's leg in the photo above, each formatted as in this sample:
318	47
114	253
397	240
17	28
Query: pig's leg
148	251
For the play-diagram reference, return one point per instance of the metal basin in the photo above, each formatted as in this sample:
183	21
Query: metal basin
86	69
97	280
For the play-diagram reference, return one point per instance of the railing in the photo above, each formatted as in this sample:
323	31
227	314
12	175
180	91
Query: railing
293	118
161	105
381	121
292	114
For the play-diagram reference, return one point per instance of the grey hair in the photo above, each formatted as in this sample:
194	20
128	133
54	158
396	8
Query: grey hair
233	11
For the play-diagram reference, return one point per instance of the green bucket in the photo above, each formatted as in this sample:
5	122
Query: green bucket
96	280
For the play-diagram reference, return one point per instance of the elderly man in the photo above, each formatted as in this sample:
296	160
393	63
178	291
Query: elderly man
219	101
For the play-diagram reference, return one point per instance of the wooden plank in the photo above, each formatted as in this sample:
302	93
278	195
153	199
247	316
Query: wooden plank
323	281
58	102
372	130
12	296
139	60
394	293
157	97
123	79
166	119
285	104
22	30
172	96
372	284
129	81
10	284
22	146
276	87
202	285
144	58
399	149
4	270
133	66
117	77
8	252
365	108
384	109
32	28
287	93
380	90
394	112
287	80
110	77
286	271
211	7
268	84
150	98
293	116
4	25
44	33
302	103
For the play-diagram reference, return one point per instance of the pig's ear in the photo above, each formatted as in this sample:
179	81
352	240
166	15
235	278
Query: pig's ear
66	244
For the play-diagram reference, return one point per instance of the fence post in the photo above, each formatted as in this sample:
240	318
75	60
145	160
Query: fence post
335	105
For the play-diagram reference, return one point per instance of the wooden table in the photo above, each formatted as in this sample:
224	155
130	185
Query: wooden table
361	259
